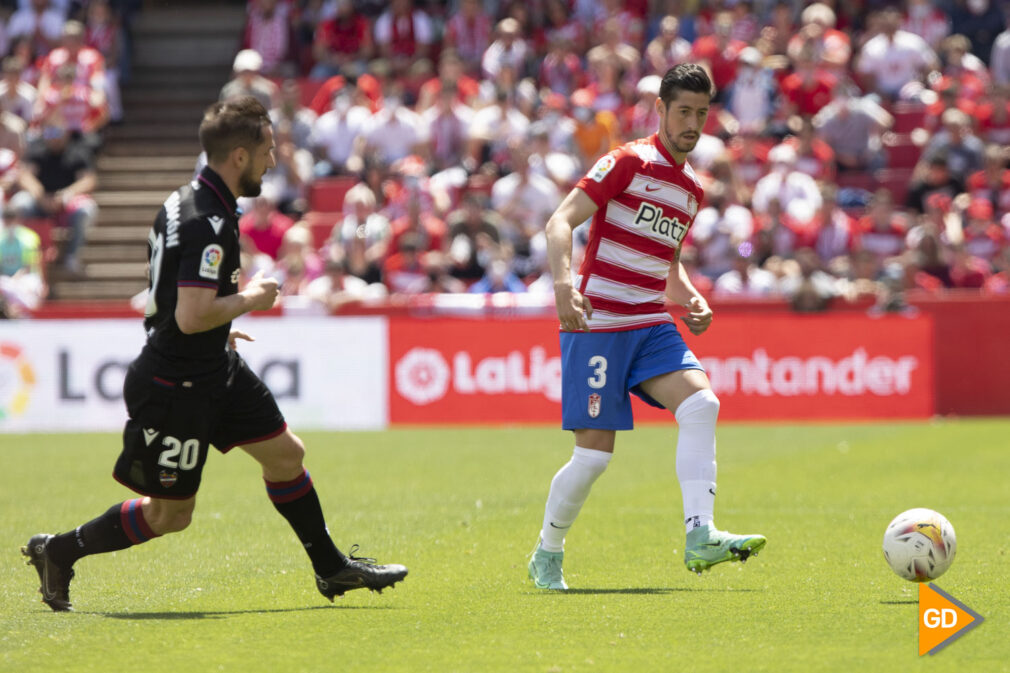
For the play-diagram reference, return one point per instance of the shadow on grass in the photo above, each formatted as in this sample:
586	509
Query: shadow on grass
908	602
636	591
223	614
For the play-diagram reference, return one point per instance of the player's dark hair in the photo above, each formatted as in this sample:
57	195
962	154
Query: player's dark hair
226	125
685	77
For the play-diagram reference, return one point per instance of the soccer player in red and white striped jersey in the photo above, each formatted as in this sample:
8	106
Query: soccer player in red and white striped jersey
616	334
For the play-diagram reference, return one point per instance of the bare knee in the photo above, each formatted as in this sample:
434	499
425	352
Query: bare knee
598	440
290	455
168	516
282	458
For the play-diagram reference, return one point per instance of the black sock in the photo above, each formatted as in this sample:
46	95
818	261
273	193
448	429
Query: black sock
121	526
297	502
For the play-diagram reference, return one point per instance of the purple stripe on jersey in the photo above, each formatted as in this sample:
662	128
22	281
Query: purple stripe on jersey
210	184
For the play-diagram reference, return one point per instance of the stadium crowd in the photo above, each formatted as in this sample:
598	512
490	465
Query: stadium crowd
853	150
61	66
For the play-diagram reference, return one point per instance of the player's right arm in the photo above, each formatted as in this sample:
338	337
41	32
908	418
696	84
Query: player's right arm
573	308
199	309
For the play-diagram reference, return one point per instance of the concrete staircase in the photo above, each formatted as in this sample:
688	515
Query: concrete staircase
182	57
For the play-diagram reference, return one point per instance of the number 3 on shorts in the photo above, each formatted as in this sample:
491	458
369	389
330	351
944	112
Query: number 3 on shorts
599	377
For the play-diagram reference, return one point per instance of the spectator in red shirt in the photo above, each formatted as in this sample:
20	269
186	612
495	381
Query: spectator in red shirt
641	119
403	34
451	73
403	272
993	181
80	108
263	228
344	39
627	20
969	271
367	92
750	156
950	96
430	231
993	116
88	65
103	33
983	238
809	88
831	47
999	282
813	156
882	230
561	70
960	64
720	52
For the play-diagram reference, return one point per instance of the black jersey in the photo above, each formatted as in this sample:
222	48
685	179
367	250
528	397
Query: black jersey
194	243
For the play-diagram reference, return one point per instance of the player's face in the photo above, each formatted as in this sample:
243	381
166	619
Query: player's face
261	159
682	120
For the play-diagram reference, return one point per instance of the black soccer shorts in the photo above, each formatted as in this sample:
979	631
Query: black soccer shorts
174	420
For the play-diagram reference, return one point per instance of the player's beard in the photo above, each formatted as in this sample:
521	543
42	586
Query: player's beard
248	184
680	143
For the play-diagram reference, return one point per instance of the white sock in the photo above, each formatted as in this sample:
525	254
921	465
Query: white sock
696	417
569	489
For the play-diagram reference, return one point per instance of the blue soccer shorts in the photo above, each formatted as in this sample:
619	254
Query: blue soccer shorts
599	369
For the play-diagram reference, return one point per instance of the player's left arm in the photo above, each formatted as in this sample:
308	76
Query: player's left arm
682	292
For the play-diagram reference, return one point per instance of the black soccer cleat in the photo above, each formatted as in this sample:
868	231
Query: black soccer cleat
360	573
54	579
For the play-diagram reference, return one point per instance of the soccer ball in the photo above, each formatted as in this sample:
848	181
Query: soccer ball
919	544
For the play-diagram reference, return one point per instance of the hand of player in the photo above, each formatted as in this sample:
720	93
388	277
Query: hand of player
234	336
699	315
262	291
573	308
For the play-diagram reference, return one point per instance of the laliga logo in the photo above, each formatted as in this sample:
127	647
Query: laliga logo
423	375
16	380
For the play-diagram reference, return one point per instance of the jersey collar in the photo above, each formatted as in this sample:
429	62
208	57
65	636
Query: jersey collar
663	151
210	178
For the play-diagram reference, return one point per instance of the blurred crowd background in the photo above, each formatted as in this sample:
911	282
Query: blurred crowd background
854	150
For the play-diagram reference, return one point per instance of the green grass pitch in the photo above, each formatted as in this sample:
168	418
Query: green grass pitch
462	507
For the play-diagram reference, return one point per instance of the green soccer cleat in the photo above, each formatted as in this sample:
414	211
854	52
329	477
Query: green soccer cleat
545	569
706	546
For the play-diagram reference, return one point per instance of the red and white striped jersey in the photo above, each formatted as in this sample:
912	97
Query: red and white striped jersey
647	203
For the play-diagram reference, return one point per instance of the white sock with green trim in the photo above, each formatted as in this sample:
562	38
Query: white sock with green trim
696	417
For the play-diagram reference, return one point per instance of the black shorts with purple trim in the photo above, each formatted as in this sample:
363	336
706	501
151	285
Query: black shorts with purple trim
174	420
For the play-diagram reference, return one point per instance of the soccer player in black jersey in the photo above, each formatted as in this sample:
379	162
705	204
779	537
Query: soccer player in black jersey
189	388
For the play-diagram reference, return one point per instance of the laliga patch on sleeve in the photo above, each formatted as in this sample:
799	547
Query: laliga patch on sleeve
210	261
602	167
